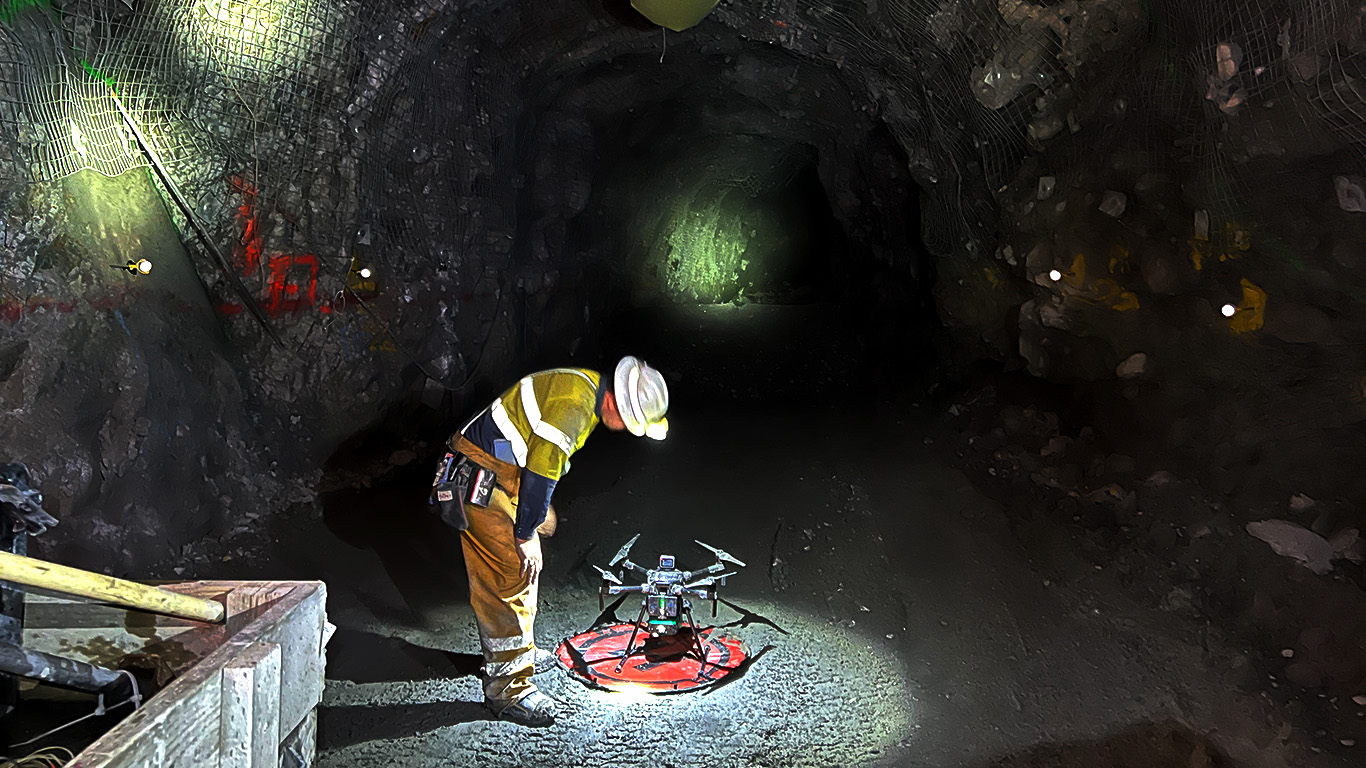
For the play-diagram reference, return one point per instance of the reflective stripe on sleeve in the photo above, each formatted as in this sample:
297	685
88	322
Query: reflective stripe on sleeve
543	429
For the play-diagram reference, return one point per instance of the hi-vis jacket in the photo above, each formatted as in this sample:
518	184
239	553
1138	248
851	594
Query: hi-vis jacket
537	425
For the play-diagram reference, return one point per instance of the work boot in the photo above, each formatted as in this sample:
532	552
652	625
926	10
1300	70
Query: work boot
535	710
545	660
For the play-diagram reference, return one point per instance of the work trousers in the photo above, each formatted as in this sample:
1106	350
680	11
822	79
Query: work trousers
504	602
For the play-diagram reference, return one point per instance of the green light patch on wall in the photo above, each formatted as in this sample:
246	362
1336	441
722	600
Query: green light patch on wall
11	8
707	244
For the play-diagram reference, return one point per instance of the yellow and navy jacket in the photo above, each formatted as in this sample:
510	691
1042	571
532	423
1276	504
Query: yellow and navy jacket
538	424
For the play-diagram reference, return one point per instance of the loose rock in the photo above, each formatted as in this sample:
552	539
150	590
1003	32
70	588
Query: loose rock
1133	367
1303	545
1351	193
1114	203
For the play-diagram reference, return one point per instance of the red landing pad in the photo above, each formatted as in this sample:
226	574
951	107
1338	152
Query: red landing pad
665	664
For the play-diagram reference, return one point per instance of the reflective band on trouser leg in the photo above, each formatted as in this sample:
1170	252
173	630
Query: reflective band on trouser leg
524	661
504	604
498	644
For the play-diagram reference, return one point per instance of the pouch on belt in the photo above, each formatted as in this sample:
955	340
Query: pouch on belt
460	481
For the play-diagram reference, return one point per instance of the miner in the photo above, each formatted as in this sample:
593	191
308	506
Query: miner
501	474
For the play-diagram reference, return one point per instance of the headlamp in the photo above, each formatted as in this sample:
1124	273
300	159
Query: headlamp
658	430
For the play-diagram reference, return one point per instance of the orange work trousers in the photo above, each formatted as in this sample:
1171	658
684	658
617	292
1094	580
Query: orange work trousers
504	602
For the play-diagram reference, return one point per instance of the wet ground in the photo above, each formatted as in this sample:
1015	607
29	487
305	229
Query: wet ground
902	619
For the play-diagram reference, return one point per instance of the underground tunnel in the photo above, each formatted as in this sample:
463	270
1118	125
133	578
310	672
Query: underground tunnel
1012	351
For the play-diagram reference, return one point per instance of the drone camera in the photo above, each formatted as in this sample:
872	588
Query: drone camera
666	562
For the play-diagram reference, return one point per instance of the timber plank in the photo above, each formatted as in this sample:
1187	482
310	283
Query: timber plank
181	725
178	727
251	708
300	748
299	636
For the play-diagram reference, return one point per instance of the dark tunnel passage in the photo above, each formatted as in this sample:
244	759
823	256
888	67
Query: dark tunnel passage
737	250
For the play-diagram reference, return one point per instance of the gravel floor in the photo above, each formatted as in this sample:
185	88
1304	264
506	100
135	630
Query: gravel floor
906	624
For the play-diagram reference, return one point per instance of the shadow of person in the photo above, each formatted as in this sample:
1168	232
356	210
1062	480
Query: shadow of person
340	727
368	657
420	554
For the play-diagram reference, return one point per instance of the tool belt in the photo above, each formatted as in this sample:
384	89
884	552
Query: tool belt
467	475
509	475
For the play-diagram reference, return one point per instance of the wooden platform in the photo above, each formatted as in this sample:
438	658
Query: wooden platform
243	693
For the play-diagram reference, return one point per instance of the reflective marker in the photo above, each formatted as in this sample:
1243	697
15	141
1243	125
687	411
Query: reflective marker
1054	275
1229	310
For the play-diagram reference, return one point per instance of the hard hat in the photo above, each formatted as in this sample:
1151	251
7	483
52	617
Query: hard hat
642	398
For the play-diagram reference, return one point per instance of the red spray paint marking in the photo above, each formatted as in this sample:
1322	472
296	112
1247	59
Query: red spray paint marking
292	279
251	236
285	295
14	311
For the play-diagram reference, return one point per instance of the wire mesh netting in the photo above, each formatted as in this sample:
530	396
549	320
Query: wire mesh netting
374	126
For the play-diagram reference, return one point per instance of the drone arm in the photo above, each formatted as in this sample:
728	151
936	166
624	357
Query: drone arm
616	590
710	581
630	566
713	568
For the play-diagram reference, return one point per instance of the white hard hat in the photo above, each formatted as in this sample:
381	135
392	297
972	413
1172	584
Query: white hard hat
642	398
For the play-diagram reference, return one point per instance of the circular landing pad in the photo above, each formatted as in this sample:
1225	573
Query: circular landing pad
665	664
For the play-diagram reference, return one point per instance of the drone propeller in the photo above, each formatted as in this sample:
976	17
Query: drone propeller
621	553
721	554
709	581
608	575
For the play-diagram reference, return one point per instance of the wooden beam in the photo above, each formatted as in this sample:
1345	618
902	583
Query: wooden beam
300	748
129	594
182	725
250	733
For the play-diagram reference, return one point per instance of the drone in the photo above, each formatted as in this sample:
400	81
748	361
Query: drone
665	607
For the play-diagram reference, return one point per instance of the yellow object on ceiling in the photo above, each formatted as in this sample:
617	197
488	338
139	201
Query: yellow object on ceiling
677	15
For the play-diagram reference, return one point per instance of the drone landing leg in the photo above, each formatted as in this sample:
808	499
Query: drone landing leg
631	644
697	643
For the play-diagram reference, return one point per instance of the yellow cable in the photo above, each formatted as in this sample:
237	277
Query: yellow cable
47	757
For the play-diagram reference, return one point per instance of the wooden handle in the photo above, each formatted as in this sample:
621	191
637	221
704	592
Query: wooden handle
127	594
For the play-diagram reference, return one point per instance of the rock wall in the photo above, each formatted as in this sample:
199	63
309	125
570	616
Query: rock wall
419	210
